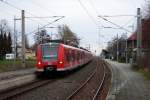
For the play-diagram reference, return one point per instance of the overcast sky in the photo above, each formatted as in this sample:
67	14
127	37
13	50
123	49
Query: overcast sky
80	15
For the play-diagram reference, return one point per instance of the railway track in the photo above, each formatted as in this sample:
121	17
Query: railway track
100	85
76	95
8	94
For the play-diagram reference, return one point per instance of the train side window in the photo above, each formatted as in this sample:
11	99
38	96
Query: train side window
70	55
77	55
67	55
80	55
73	55
84	55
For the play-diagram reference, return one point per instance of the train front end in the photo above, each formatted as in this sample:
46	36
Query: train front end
47	57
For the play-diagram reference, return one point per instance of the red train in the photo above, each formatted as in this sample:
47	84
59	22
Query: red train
60	57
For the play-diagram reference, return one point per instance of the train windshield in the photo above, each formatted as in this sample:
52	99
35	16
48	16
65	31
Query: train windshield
50	52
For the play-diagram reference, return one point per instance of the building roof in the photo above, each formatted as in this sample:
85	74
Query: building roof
133	36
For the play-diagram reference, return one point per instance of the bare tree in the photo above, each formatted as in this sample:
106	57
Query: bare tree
68	36
146	9
42	37
112	47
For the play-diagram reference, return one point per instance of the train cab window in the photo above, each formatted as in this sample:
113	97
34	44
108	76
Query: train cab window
50	52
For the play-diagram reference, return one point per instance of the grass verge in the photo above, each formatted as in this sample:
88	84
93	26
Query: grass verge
145	73
10	65
141	70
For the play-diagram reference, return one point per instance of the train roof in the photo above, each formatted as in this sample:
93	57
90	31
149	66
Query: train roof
54	44
68	46
75	48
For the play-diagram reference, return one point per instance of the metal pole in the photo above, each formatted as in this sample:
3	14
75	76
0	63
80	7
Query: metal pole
117	48
100	43
133	44
14	39
23	37
126	49
138	34
38	35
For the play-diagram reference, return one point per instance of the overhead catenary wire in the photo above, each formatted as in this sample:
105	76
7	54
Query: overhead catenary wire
33	16
119	15
45	17
5	2
43	7
30	33
45	25
107	19
11	5
87	12
129	21
114	24
121	27
93	6
34	31
95	9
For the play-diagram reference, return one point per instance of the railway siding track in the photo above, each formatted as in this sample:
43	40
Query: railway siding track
14	92
16	81
91	88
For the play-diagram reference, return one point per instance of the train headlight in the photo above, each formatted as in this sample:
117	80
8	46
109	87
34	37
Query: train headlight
39	63
60	62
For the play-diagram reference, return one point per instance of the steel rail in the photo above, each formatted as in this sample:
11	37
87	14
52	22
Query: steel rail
22	89
78	89
101	84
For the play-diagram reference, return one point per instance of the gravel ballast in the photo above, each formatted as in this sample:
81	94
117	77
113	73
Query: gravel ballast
62	86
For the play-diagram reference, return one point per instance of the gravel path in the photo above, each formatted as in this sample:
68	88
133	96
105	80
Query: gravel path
127	84
60	88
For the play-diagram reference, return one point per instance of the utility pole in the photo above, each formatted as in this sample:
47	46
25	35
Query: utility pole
132	26
126	49
99	42
139	34
14	39
23	36
117	48
38	35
